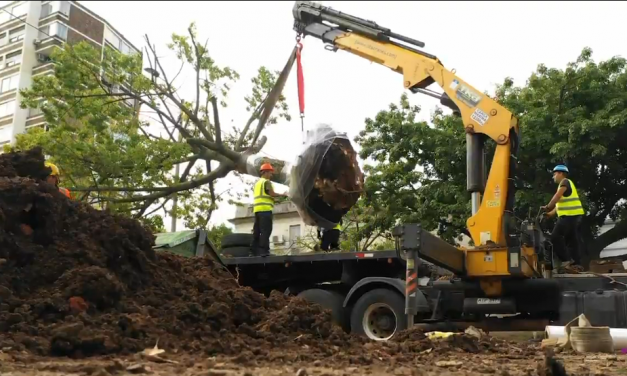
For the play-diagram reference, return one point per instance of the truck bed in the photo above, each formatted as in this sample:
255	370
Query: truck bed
309	257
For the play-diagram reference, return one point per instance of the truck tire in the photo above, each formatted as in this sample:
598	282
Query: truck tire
379	315
236	240
236	252
330	300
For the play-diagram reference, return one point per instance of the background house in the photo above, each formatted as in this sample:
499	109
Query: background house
288	227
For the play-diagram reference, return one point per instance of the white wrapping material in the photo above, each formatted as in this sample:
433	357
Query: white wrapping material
619	335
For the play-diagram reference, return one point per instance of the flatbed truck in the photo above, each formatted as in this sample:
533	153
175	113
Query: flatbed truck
366	291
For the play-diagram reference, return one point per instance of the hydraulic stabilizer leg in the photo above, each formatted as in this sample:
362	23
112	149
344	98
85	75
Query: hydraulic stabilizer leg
410	246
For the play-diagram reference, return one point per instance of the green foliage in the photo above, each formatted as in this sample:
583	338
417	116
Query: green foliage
123	162
576	116
216	233
399	145
366	225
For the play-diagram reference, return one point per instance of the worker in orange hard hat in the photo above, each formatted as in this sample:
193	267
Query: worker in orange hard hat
54	179
263	205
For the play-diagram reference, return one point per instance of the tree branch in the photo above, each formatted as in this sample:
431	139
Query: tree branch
228	153
170	94
216	121
274	95
197	68
220	172
252	118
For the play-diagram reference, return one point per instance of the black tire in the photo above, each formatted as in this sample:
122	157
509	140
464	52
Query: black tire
330	300
236	252
392	311
236	240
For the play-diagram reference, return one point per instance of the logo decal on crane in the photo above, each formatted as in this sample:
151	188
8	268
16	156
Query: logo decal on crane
467	95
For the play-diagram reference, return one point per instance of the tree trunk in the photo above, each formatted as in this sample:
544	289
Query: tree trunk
251	164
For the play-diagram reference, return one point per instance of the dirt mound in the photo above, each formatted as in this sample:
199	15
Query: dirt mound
86	282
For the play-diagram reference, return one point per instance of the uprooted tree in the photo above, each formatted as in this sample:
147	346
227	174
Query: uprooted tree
113	158
576	116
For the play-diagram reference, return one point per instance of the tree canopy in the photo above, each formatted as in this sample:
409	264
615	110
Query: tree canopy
118	133
576	116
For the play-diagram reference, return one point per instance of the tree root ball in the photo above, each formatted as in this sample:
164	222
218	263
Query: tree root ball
327	181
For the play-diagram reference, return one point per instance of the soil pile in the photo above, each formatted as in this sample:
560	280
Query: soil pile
85	282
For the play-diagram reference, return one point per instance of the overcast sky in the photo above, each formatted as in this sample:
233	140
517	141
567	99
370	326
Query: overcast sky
484	41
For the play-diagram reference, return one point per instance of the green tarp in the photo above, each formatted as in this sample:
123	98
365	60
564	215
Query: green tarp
182	243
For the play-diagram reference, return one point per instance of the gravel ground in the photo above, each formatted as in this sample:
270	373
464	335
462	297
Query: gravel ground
426	364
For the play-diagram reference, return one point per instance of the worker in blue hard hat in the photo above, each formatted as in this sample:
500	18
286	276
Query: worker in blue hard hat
569	210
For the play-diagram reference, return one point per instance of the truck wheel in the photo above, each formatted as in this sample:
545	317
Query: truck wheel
330	300
379	315
236	240
236	252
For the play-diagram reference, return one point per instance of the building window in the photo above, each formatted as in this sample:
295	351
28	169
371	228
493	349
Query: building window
64	7
7	108
20	10
13	59
32	112
61	31
9	83
294	234
55	29
54	7
6	133
46	10
17	34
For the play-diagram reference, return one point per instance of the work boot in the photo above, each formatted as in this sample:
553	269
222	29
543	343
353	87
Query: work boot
264	253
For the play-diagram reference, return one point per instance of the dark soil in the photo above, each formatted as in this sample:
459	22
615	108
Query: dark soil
87	282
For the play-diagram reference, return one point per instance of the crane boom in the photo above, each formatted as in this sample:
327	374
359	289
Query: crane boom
483	117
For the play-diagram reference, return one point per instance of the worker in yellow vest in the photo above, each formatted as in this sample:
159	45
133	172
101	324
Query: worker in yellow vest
54	179
330	239
262	208
569	210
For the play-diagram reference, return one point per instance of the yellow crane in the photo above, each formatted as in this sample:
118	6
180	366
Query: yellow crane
501	272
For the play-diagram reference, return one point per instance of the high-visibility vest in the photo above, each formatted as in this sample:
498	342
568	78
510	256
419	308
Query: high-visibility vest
569	206
262	202
65	191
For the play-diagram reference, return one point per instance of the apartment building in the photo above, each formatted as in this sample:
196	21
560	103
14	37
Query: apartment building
29	32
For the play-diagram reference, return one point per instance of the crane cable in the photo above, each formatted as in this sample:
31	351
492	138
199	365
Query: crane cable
301	85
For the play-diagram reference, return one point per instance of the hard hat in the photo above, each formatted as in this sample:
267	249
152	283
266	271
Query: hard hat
266	167
55	169
560	168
